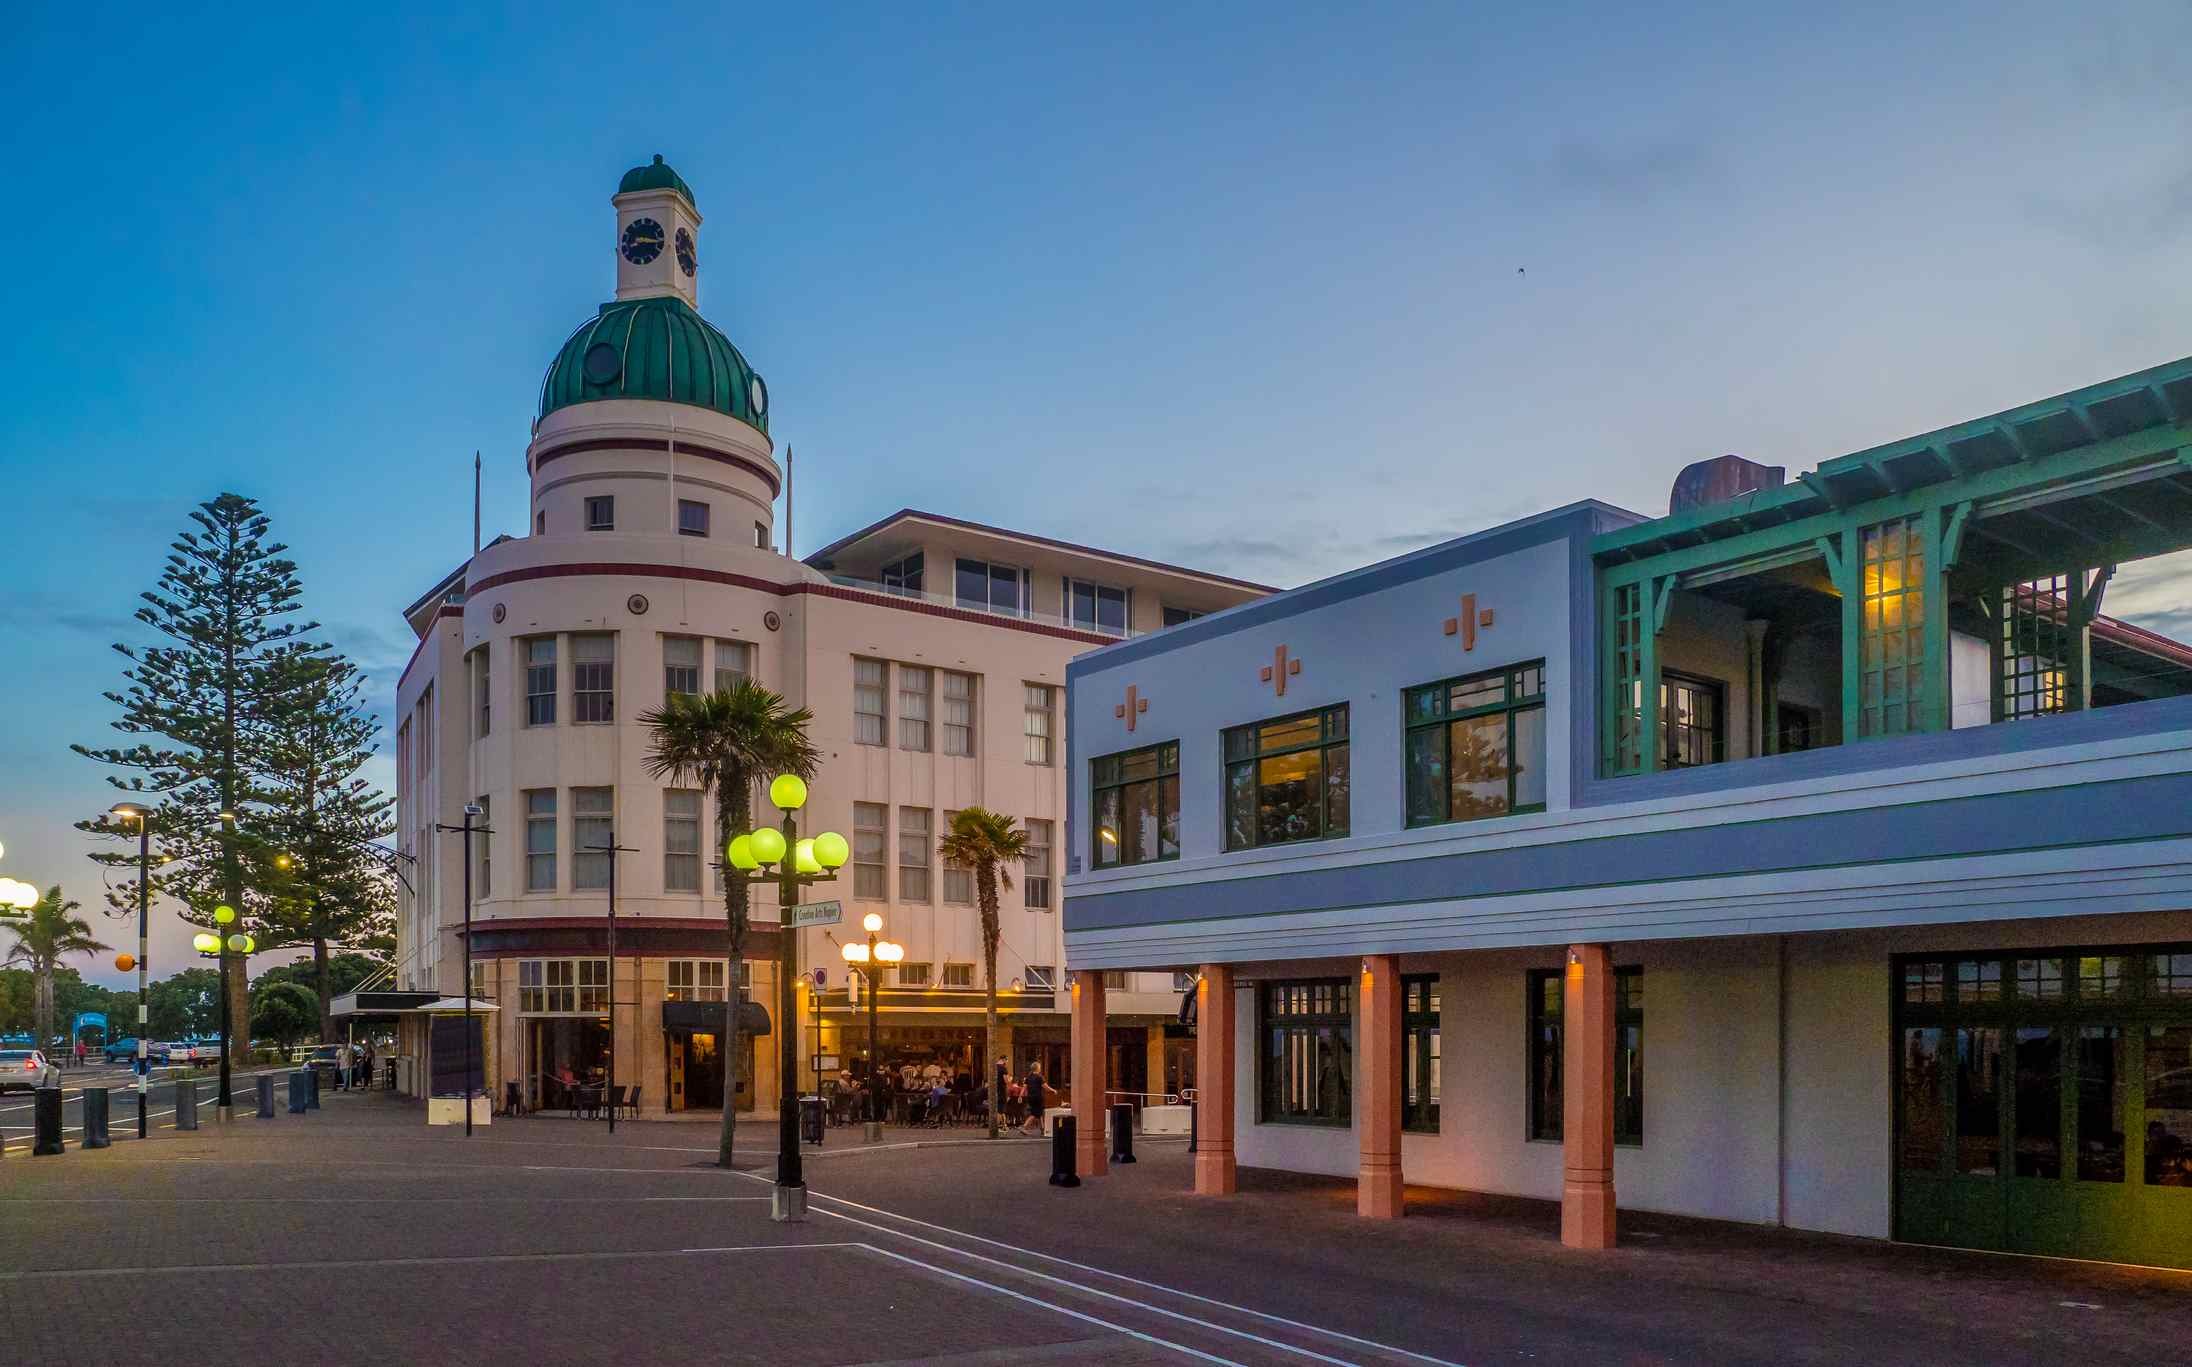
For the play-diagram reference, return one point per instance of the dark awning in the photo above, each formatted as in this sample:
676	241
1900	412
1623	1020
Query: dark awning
381	1003
710	1018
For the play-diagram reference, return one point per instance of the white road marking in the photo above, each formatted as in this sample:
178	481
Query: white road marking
448	1260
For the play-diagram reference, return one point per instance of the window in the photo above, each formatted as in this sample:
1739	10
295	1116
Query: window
1286	779
1115	982
593	678
484	844
761	536
540	524
482	694
958	713
532	991
903	576
1692	722
1891	655
680	840
1096	607
1035	866
1174	616
601	513
1136	799
1419	1053
694	980
1475	747
680	666
1035	726
958	882
426	731
692	517
540	681
914	850
1546	1003
733	664
913	975
562	987
913	707
483	980
1308	1037
593	823
990	588
870	875
958	975
1184	979
593	984
867	702
1039	978
540	840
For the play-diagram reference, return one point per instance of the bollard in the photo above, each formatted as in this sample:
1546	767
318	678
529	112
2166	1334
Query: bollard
312	1089
1194	1125
1062	1172
297	1098
266	1096
95	1118
46	1122
186	1106
1122	1133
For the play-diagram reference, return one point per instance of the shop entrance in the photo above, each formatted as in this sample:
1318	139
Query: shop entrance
2044	1102
565	1052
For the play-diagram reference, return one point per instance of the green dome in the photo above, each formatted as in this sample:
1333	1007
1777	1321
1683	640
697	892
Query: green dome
656	176
656	348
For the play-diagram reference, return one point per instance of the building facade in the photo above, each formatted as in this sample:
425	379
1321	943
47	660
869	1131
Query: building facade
1816	855
931	652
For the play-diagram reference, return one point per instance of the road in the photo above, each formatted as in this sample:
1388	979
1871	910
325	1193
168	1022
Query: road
16	1108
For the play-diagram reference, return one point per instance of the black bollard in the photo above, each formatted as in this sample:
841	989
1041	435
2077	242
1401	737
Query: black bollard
1062	1173
297	1098
46	1122
95	1118
266	1096
1122	1133
1194	1125
312	1089
186	1106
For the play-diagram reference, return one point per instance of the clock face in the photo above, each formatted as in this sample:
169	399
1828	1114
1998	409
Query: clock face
642	241
757	393
687	258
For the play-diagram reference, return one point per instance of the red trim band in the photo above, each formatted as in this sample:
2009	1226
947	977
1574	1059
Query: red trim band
684	448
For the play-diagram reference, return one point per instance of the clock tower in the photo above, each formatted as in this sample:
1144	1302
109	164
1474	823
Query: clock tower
658	235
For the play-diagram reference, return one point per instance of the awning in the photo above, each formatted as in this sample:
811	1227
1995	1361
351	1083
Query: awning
710	1018
453	1006
384	1003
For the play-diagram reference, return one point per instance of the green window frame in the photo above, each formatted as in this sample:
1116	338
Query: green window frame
1891	642
1474	747
1134	803
1287	779
1693	720
1546	1008
1419	1053
1305	1067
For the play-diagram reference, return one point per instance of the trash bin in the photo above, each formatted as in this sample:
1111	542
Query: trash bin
811	1119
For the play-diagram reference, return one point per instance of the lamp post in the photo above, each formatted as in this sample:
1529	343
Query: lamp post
222	944
798	863
130	811
472	809
867	960
611	849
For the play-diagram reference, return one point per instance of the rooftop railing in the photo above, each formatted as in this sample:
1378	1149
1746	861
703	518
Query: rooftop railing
943	600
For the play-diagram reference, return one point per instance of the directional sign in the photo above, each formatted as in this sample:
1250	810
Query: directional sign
817	914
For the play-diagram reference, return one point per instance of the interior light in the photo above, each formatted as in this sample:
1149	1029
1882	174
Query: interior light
1109	836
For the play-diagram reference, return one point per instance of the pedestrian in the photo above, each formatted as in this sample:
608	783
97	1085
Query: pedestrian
80	1052
1034	1086
1000	1090
343	1054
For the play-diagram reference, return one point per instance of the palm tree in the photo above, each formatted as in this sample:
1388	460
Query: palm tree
724	742
52	932
989	843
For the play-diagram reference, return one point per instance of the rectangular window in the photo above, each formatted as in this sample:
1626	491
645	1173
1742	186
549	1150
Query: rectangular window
1419	1053
868	726
870	874
1891	655
1307	1038
1115	982
1184	980
593	984
914	684
990	588
540	681
680	840
1546	1060
1175	616
1287	779
914	854
680	666
2102	1081
913	975
692	517
1924	1119
2036	1105
1475	747
540	524
1036	724
483	978
733	664
482	694
1039	978
761	536
2168	1127
593	678
958	975
1096	607
1692	722
1979	1101
1135	796
958	738
904	576
540	840
1035	866
958	882
601	513
593	822
532	987
694	980
484	844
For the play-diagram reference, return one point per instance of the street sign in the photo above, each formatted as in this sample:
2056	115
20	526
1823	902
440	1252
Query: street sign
806	914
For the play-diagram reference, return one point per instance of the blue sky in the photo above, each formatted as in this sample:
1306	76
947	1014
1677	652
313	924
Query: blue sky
1274	291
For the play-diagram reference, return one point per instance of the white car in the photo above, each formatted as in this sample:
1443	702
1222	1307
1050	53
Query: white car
179	1051
206	1051
26	1070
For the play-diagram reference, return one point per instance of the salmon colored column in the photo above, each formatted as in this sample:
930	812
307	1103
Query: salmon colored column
1377	1091
1091	1059
1215	1173
1587	1099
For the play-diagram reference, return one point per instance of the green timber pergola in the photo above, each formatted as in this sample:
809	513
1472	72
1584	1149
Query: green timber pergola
2015	521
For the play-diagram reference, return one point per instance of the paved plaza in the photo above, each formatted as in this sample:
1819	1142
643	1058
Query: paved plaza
358	1235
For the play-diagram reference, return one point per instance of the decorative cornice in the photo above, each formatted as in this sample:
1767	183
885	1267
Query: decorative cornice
683	448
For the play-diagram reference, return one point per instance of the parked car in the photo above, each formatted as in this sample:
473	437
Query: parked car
125	1050
206	1051
178	1051
24	1070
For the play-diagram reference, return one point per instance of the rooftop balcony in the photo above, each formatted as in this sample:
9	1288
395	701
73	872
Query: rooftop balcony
942	600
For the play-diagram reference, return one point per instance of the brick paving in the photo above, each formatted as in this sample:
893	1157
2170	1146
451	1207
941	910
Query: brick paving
358	1235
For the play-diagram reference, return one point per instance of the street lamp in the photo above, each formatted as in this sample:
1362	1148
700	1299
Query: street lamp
241	945
867	960
798	863
130	811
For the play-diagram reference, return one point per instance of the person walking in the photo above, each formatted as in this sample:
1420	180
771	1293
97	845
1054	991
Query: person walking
1034	1100
80	1052
999	1092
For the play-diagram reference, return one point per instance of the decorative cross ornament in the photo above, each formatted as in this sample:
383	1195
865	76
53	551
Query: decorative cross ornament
1134	705
1468	622
1275	673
